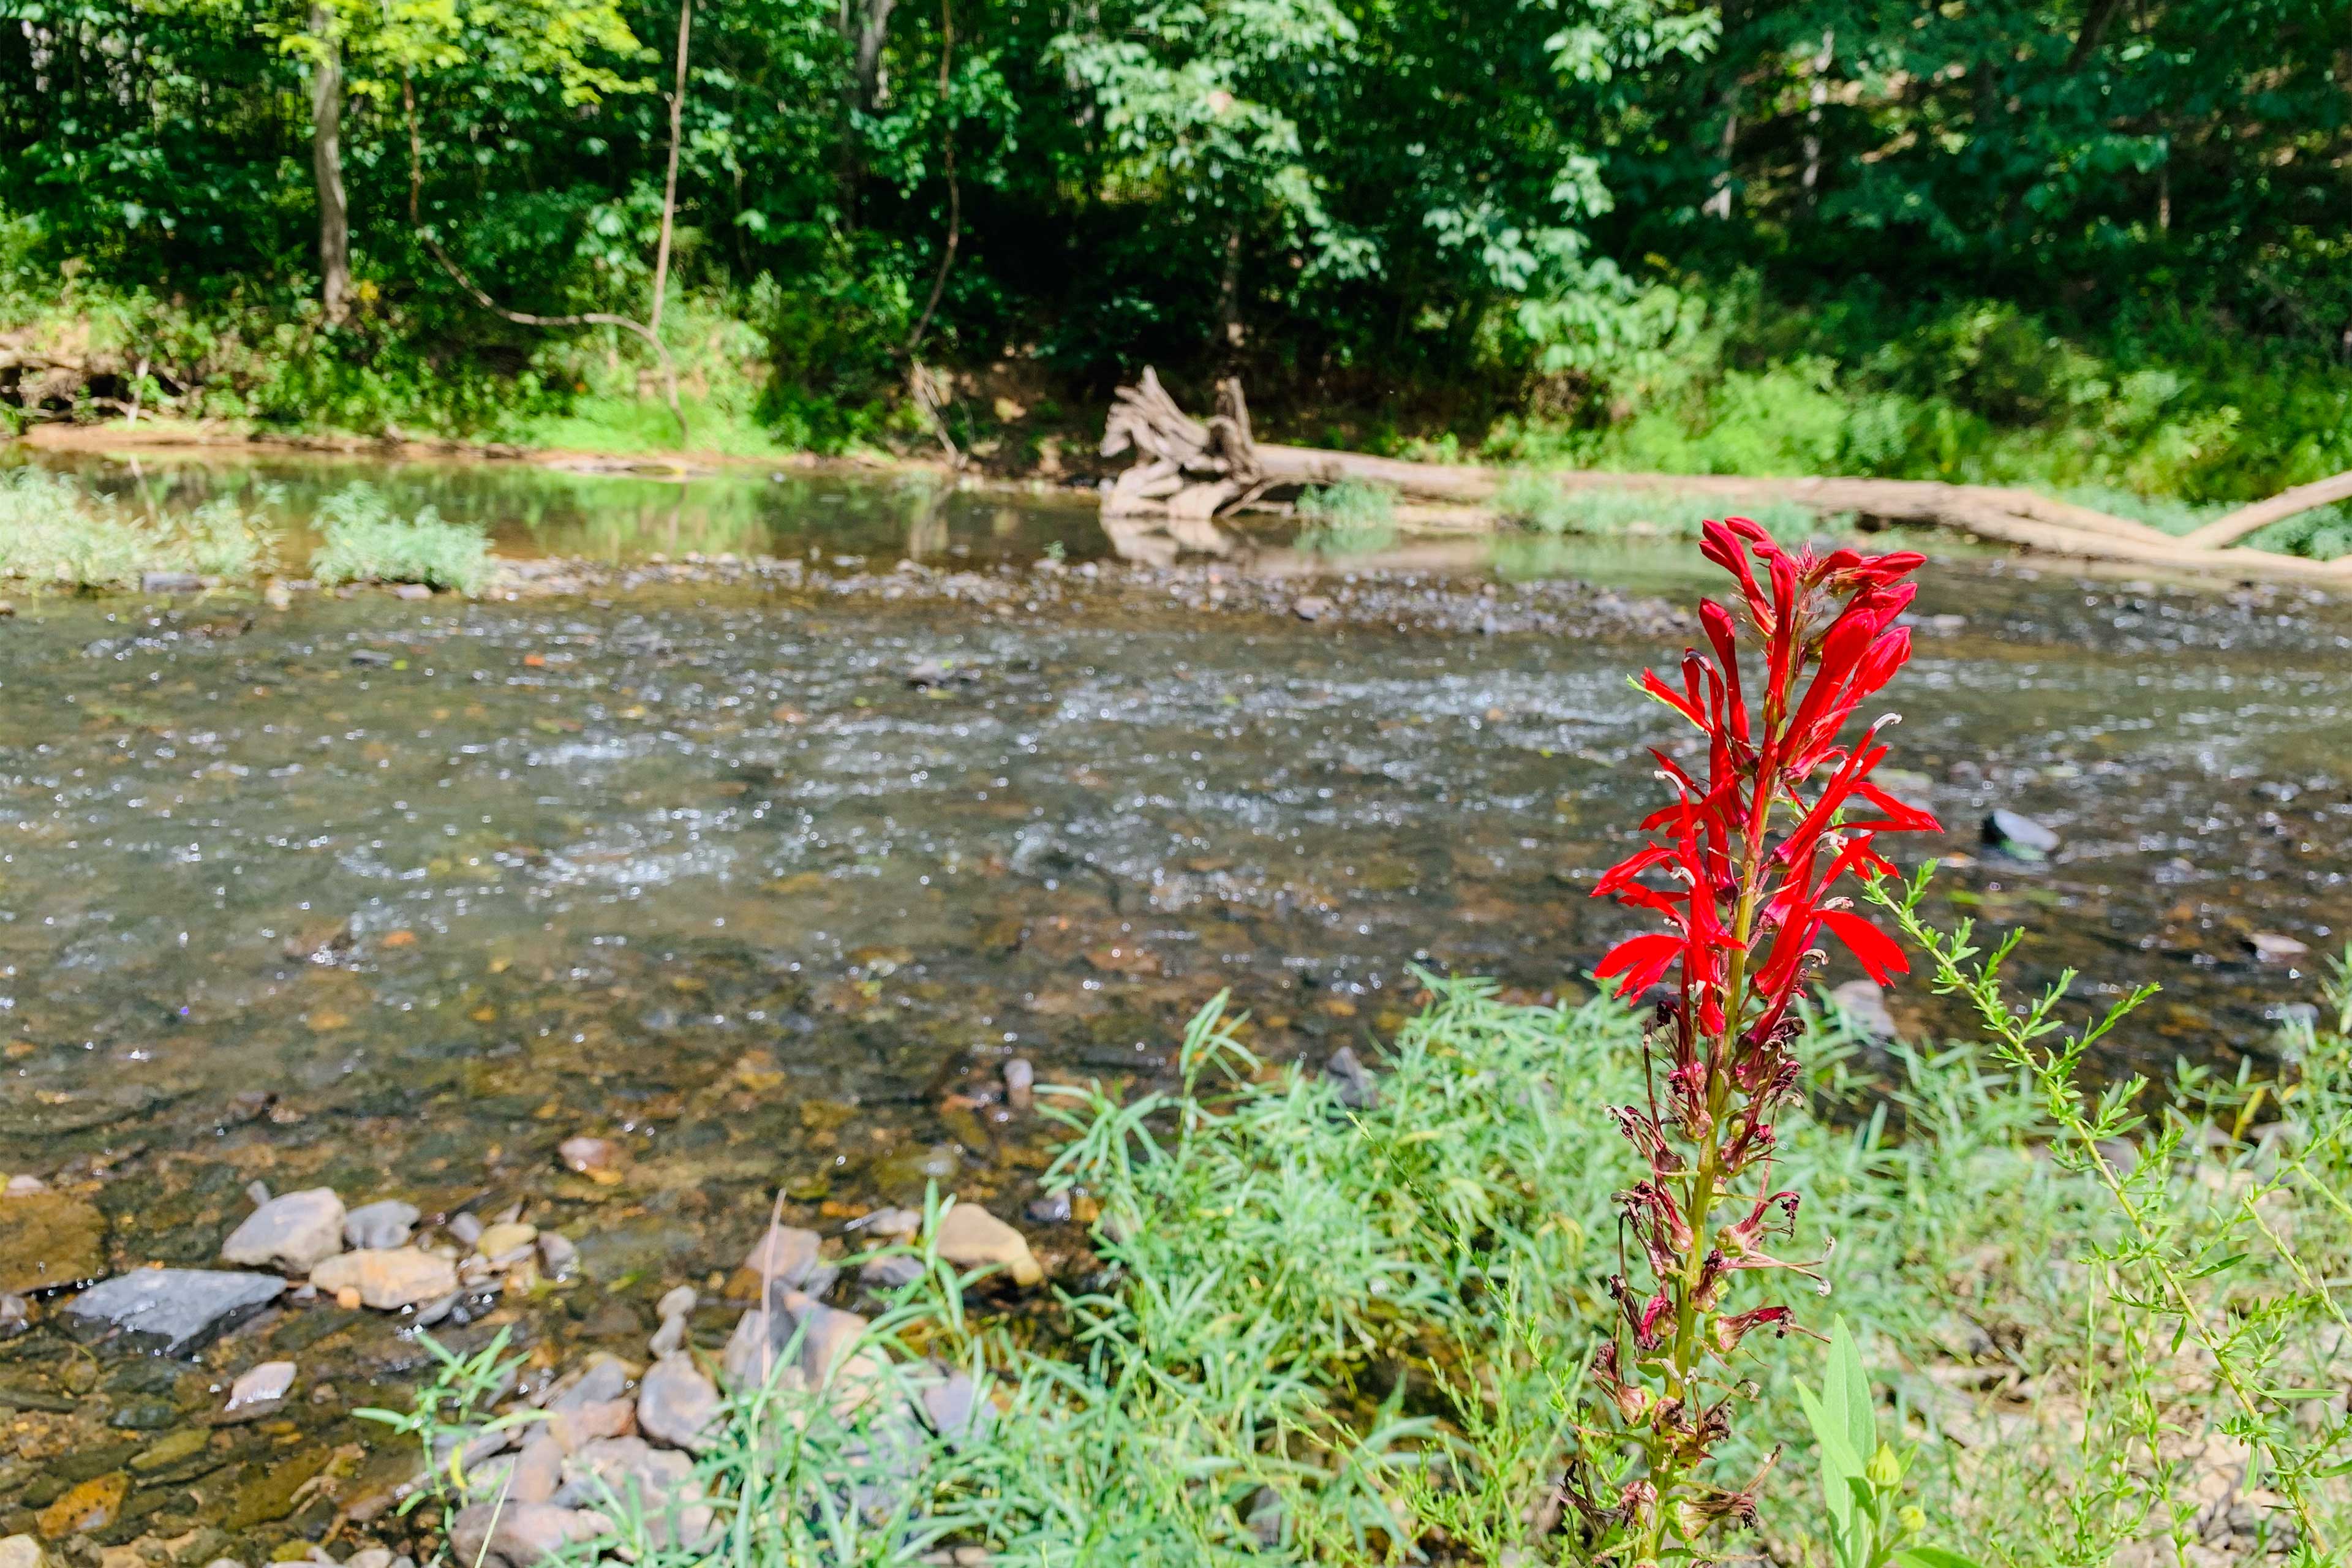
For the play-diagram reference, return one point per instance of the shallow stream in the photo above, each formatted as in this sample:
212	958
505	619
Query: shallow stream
393	897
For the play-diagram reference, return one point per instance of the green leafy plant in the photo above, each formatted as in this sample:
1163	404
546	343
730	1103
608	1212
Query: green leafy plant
1862	1476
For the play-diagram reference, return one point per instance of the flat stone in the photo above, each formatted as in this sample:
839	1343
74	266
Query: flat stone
264	1384
953	1408
2272	948
388	1278
618	1471
971	1238
294	1232
91	1506
170	583
787	1254
170	1310
538	1469
49	1240
379	1226
22	1552
497	1242
677	1404
557	1255
520	1535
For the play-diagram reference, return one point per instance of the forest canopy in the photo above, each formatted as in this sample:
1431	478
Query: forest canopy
1522	209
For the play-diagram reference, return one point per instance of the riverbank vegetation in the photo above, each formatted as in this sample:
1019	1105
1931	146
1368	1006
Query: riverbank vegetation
1341	1328
2095	248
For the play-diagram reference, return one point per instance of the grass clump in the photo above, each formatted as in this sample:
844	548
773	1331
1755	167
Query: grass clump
1353	517
1322	1332
361	541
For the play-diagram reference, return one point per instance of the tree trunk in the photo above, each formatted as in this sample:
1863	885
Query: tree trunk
326	169
1816	96
669	181
1229	295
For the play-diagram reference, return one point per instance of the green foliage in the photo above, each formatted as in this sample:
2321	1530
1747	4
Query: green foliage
1325	1334
1862	1476
360	540
1535	500
53	530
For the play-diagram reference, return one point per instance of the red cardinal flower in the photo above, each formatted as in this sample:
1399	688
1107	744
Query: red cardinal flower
1742	873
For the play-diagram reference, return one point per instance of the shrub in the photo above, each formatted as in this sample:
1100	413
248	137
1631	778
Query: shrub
361	542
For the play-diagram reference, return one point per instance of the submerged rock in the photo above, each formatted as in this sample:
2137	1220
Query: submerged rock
91	1506
379	1226
971	1238
2270	947
49	1240
387	1279
787	1255
264	1384
170	1310
22	1552
2019	836
294	1232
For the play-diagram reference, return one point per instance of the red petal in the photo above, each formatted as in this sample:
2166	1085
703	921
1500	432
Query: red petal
1877	950
1641	959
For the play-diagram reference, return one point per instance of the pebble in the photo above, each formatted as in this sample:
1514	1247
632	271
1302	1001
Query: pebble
466	1228
1311	607
264	1384
971	1238
663	1483
22	1552
379	1227
538	1469
677	1302
277	596
21	1187
171	1310
170	583
506	1241
2018	837
557	1255
1019	1083
2270	947
295	1231
412	590
667	1339
676	1402
387	1279
787	1255
953	1408
598	1159
16	1316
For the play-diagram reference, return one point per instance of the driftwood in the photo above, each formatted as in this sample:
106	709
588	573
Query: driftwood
1189	471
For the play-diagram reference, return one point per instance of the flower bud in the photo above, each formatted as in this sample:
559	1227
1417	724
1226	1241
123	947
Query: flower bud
1885	1470
1915	1520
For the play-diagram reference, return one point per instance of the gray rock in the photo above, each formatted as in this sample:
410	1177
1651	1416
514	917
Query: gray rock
1311	607
669	1339
953	1408
788	1256
1019	1083
677	1302
520	1535
370	1557
257	1190
1350	1080
891	1273
380	1226
170	583
2270	947
677	1404
466	1228
16	1316
170	1310
22	1552
295	1231
1865	1004
2019	836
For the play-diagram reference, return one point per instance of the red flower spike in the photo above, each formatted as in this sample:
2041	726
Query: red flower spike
1742	873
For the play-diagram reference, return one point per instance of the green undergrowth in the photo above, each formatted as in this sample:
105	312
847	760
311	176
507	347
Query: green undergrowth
1326	1334
1350	518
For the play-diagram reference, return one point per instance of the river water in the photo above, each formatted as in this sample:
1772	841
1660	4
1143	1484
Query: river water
392	897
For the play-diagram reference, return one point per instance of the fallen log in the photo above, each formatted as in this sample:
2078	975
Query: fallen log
1193	468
